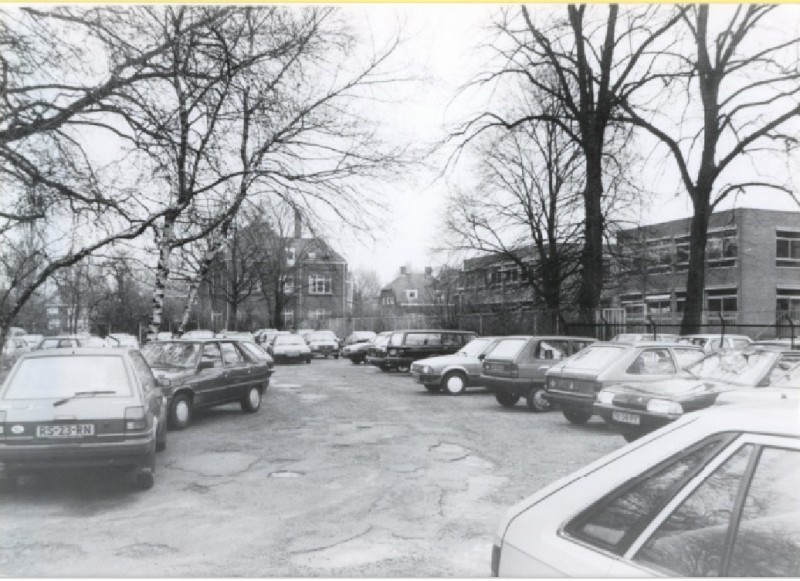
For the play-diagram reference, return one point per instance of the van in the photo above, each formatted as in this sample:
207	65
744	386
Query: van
407	346
516	367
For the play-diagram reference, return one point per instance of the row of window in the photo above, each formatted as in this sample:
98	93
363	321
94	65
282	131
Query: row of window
787	248
313	315
666	254
717	301
318	284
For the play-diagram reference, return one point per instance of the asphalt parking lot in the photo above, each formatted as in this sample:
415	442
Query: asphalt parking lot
344	472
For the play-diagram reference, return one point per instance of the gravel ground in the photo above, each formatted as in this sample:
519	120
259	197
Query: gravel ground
344	472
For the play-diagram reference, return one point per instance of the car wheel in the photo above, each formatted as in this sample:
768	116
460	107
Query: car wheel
576	416
180	412
433	388
506	399
336	356
403	367
536	401
454	383
252	401
308	360
384	368
145	480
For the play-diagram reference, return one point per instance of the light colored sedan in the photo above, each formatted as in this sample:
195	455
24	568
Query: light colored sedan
290	347
454	373
712	494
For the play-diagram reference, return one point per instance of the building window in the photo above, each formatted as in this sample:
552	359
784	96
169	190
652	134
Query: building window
682	253
788	303
387	300
288	285
721	249
319	284
319	314
787	248
290	256
659	255
411	294
288	317
723	301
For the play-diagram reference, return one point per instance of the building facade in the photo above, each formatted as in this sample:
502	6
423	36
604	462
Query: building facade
411	293
752	267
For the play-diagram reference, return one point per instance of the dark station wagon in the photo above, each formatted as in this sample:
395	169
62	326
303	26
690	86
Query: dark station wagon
405	347
516	367
208	372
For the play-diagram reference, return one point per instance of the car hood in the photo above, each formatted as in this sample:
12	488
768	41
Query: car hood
285	348
674	388
447	360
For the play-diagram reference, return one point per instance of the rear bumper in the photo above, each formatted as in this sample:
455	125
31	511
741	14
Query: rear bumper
510	385
572	400
393	361
35	457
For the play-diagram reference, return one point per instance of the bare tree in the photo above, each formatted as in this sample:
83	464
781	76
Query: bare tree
587	63
366	290
743	83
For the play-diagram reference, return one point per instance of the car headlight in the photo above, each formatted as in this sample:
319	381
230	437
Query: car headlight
427	369
663	406
605	397
392	352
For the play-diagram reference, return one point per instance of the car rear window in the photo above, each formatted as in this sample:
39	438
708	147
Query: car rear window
54	377
596	357
507	348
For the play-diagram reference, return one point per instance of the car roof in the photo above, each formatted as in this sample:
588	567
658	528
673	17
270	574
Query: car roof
769	417
550	337
433	331
640	344
80	351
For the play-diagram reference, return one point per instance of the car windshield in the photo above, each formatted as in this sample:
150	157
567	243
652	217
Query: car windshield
595	357
171	354
786	374
57	377
507	348
475	347
322	336
737	367
382	340
289	340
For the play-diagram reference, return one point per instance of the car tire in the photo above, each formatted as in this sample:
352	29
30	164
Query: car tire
336	356
454	383
180	412
535	401
403	367
252	401
507	400
145	480
576	416
434	388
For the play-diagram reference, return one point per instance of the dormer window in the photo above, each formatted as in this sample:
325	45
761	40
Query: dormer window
411	294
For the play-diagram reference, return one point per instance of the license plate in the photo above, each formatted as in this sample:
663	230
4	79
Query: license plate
293	354
65	431
625	418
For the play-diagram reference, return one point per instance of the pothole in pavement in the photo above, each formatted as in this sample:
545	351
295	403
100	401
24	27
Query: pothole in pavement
285	474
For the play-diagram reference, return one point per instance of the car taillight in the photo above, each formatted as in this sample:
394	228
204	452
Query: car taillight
135	418
513	371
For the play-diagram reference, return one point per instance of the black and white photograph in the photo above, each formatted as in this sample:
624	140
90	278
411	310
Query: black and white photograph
423	290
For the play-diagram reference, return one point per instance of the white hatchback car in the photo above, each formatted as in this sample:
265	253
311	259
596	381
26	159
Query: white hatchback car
717	493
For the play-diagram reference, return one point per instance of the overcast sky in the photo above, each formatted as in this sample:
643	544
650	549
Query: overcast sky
441	43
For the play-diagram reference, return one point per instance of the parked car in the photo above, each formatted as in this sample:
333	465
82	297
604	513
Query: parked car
204	373
323	343
58	342
198	334
712	342
240	335
516	367
356	345
290	347
64	408
376	354
164	336
634	409
92	341
268	338
781	343
644	337
712	494
13	349
32	340
16	332
575	382
454	373
406	347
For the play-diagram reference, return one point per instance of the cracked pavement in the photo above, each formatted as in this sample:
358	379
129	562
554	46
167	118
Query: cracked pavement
344	472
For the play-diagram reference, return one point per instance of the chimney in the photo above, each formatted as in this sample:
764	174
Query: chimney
428	271
403	270
298	224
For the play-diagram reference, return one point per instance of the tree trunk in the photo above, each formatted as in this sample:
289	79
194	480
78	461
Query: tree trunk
162	276
696	280
190	302
591	284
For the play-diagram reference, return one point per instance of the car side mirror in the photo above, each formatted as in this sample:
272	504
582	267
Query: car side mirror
163	382
205	365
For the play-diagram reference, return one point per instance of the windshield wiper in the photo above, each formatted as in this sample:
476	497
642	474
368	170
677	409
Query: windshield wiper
78	394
